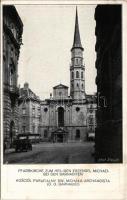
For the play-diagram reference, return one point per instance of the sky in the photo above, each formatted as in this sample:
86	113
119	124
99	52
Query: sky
45	55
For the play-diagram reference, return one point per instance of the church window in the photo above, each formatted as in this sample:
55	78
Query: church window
61	117
24	111
77	109
77	85
82	86
72	75
81	74
77	74
77	134
45	109
77	61
60	93
33	111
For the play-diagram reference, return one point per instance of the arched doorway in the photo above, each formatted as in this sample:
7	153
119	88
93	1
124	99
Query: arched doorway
12	132
61	117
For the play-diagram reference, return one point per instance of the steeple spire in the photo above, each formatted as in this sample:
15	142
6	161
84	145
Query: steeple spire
77	69
77	40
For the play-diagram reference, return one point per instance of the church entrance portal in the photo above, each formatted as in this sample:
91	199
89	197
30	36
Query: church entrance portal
59	135
59	138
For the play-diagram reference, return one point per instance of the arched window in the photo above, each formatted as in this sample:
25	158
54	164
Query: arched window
23	111
77	74
33	111
72	75
77	85
60	116
81	74
82	85
60	93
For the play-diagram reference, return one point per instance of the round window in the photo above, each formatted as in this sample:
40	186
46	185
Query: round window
77	109
45	109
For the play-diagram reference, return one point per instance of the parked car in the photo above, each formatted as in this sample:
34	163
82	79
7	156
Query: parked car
91	136
22	145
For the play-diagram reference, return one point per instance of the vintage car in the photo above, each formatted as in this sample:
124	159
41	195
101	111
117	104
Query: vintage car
91	136
22	145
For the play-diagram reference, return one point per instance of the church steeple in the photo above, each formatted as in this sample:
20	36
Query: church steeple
77	40
77	69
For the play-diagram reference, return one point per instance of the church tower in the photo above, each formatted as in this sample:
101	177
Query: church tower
77	69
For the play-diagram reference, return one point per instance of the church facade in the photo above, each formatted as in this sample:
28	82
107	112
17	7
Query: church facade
67	117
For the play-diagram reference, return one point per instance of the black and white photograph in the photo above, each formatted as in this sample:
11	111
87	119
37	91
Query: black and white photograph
62	83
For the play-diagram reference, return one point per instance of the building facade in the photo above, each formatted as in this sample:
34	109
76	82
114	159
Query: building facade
12	39
29	111
64	117
108	137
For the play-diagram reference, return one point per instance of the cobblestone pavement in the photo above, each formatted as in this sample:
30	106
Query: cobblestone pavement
53	153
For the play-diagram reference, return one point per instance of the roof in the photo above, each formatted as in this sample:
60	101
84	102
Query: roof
28	94
77	40
60	86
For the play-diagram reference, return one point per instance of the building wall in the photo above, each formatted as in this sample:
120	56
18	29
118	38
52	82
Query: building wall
30	118
108	138
12	37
